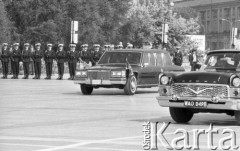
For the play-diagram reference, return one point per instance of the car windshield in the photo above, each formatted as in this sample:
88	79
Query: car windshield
120	58
225	60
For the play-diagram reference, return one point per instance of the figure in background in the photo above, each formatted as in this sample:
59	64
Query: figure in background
86	55
60	58
96	54
193	59
31	64
129	45
15	57
120	45
178	57
37	59
26	58
73	58
4	57
49	55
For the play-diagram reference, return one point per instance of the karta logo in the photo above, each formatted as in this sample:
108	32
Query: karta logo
152	135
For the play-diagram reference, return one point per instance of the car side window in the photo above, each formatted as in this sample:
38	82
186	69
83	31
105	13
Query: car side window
163	59
149	59
159	59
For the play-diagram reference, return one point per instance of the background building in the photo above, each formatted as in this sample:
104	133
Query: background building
218	18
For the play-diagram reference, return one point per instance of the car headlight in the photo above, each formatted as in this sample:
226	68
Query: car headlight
82	73
164	80
118	73
236	82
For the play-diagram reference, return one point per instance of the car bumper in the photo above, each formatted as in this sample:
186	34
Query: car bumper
121	81
223	104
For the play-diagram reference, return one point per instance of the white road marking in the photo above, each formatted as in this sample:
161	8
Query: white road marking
39	139
26	145
87	143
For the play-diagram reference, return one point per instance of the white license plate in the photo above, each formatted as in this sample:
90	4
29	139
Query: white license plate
200	104
96	81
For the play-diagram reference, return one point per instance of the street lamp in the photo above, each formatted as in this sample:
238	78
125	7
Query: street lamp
231	26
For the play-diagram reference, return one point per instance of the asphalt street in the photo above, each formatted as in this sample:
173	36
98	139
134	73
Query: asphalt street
51	115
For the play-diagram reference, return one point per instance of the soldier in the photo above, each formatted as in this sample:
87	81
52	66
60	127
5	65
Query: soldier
129	46
31	60
37	60
178	57
85	54
73	58
61	58
26	57
106	48
120	45
4	57
96	54
15	58
49	55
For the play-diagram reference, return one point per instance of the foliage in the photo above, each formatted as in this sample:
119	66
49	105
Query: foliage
49	21
4	24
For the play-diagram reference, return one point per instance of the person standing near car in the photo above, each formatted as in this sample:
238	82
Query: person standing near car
60	58
49	55
178	57
96	54
15	57
86	55
37	59
4	57
26	57
193	59
73	58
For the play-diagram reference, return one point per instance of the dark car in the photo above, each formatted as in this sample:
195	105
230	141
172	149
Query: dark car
215	89
126	69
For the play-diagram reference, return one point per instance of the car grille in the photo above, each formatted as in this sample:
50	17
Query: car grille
200	90
101	75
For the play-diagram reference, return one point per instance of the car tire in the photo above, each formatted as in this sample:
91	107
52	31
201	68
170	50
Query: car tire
131	86
181	115
86	90
237	117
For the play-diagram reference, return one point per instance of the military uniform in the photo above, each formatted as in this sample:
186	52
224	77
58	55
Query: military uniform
61	57
26	58
73	58
49	55
15	58
96	54
37	56
178	57
4	57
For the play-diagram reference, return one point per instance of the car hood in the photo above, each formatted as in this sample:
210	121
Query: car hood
203	77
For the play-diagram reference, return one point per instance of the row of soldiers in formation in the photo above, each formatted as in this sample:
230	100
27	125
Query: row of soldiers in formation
29	52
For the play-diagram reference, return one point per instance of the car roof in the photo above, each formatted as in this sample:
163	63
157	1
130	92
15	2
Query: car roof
139	50
224	50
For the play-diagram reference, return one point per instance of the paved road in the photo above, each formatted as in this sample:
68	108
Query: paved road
54	116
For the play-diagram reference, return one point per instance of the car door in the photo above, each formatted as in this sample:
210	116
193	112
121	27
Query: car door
146	75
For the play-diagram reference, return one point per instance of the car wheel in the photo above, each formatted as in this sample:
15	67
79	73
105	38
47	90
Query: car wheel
237	117
181	115
131	86
86	90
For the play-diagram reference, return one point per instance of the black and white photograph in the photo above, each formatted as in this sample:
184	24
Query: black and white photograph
119	75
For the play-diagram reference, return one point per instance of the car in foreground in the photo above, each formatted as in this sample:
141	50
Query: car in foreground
126	69
215	89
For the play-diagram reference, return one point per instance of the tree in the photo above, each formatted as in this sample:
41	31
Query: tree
4	24
145	23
